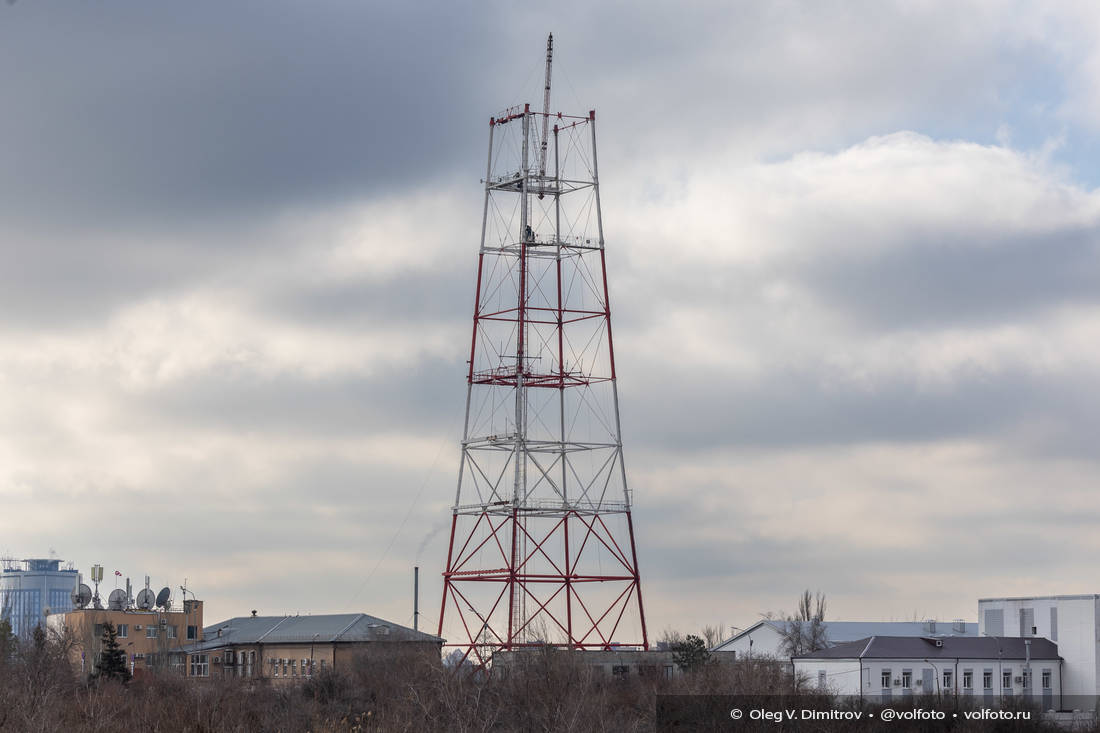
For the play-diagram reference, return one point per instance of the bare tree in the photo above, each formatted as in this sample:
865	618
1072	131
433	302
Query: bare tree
804	632
714	635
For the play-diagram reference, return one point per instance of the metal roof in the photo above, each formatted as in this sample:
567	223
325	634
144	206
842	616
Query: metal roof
323	628
992	648
841	631
1077	597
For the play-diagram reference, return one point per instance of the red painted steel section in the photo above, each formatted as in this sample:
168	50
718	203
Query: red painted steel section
477	307
520	547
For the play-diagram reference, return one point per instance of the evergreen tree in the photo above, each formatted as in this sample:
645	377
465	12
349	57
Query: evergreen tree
112	660
691	653
7	642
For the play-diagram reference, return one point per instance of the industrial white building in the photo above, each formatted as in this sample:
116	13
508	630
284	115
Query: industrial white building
1071	621
888	669
765	638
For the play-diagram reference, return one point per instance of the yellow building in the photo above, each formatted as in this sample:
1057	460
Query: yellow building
289	648
150	638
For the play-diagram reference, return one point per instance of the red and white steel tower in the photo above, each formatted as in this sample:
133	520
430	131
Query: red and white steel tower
542	542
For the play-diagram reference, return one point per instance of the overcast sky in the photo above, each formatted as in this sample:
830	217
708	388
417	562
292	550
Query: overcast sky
852	247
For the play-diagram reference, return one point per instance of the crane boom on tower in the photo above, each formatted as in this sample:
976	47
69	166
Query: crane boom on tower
546	106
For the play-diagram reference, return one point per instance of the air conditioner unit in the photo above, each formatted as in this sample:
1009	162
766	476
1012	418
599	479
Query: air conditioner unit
897	683
1019	680
137	627
217	660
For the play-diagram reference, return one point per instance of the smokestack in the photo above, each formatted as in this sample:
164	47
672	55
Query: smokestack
416	598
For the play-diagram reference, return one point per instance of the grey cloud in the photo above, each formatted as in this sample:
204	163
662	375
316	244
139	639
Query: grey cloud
427	397
411	298
797	407
927	284
157	115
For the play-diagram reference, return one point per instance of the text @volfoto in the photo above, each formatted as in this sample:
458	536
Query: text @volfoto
886	714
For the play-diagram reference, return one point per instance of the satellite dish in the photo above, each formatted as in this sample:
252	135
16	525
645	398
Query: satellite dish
145	599
164	598
82	596
117	600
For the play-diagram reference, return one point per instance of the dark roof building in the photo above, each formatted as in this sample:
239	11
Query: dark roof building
987	669
289	647
941	647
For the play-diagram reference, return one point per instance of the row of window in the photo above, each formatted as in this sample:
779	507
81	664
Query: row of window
967	679
290	668
23	609
122	631
200	665
646	670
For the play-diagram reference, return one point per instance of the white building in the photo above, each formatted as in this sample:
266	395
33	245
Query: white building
1072	622
765	638
891	668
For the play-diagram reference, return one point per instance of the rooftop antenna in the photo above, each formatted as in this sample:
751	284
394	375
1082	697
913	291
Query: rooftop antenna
81	596
97	578
546	107
145	598
117	600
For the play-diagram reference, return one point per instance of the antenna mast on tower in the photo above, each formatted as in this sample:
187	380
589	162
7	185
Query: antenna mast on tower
542	542
546	107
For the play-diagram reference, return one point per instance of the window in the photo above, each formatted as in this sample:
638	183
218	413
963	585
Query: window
170	632
821	678
1027	678
322	665
968	679
123	630
150	632
948	679
1046	679
99	631
274	667
885	678
306	671
1006	678
192	632
283	663
669	671
293	667
987	679
907	678
200	665
251	661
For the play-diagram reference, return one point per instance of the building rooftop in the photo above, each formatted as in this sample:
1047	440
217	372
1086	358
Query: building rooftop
36	565
941	647
841	631
1076	597
324	628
